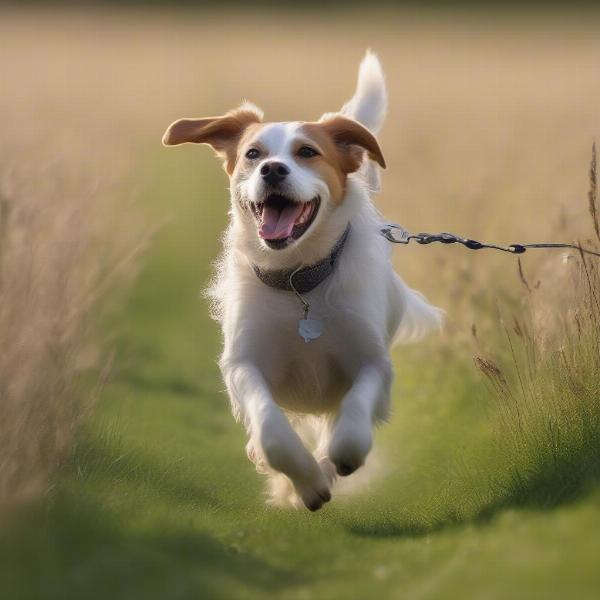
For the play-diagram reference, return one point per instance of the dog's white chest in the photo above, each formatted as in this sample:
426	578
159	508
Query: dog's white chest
305	376
310	380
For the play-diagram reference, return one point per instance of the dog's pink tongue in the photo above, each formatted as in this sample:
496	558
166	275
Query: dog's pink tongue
278	223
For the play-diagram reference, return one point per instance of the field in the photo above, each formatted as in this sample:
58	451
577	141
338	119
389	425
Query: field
472	492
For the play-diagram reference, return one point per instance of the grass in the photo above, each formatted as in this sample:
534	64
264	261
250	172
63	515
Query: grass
160	501
465	497
59	254
548	405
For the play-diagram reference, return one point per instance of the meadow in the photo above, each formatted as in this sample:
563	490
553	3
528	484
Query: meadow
485	484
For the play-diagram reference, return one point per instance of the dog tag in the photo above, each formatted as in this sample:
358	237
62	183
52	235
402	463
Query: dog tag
310	329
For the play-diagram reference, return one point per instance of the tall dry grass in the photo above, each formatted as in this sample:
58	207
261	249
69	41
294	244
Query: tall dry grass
68	235
548	393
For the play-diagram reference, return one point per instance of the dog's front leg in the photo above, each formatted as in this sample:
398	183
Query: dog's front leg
366	401
273	436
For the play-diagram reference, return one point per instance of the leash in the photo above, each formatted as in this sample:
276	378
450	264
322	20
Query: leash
304	279
398	235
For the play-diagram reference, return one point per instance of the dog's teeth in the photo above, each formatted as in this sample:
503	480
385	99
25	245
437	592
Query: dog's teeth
305	214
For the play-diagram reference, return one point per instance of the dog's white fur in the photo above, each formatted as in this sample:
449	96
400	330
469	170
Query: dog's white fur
328	393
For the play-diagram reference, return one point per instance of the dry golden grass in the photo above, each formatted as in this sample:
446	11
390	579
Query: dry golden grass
68	235
59	255
548	400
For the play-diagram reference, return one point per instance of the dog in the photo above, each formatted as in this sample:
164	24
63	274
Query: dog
305	291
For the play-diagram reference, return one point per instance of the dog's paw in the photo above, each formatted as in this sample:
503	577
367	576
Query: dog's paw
350	445
313	497
313	491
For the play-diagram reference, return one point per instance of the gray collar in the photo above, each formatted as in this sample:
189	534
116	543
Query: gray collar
307	278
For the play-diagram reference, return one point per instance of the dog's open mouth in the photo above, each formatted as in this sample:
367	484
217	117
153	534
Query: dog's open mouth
282	219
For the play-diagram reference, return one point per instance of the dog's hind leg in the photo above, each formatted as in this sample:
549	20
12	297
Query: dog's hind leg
365	403
322	427
273	437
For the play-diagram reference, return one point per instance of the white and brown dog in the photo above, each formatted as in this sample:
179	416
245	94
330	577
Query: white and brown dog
305	291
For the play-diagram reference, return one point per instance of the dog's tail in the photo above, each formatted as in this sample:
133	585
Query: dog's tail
369	106
369	103
418	317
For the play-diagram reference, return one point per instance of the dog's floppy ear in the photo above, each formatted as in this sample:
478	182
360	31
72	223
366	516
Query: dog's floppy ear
352	139
222	133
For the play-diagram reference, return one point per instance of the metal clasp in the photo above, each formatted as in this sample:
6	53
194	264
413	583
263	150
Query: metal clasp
398	236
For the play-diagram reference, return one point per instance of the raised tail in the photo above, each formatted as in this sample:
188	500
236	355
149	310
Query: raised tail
369	103
369	106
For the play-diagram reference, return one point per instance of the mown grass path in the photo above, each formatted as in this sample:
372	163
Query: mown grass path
161	503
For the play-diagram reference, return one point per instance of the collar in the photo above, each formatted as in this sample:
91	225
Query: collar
305	279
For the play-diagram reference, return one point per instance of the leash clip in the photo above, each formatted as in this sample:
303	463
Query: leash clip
398	236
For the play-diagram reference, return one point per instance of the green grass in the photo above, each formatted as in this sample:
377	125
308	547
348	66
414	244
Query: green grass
159	501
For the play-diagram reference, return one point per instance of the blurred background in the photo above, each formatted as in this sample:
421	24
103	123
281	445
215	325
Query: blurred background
122	472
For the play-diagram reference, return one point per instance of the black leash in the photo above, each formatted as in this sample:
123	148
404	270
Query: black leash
398	235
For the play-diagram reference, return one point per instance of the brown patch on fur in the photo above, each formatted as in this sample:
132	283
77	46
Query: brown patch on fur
222	133
341	143
348	135
327	163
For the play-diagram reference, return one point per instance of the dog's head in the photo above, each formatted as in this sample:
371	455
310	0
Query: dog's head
287	179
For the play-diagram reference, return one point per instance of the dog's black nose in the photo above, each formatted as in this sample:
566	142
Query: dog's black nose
274	172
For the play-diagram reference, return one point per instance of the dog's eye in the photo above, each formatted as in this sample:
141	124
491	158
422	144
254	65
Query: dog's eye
307	152
252	154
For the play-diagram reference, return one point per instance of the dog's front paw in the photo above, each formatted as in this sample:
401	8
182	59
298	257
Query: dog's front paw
314	491
350	445
313	497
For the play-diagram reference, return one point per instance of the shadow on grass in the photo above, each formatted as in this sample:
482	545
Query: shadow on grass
82	550
127	527
555	480
550	485
168	383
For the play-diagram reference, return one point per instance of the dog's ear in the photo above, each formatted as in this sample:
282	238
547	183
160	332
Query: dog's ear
352	139
222	133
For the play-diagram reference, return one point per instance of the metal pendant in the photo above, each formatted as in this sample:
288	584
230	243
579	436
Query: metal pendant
310	329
